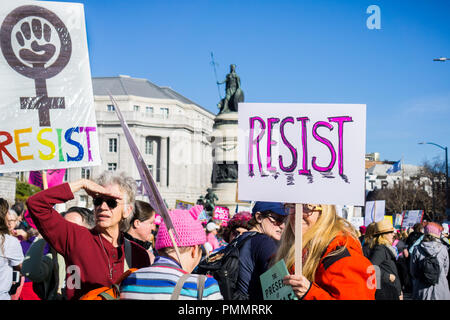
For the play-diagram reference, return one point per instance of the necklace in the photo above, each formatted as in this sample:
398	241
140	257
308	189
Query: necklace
107	257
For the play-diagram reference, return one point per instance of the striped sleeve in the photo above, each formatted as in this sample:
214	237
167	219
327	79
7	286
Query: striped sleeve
155	283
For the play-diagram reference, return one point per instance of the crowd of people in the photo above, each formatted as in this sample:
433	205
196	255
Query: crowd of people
51	255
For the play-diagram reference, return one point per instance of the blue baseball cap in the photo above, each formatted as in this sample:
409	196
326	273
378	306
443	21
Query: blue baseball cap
275	207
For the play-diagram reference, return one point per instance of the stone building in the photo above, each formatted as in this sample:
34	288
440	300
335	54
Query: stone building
170	131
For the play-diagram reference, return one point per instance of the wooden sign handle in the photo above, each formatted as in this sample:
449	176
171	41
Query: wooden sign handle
177	251
298	239
44	179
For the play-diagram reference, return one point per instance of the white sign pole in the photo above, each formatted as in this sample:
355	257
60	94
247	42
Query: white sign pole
298	239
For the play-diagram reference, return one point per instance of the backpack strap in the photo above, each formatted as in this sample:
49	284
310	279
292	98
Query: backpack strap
114	295
177	290
200	286
240	242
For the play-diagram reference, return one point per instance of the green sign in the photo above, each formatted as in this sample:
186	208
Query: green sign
272	283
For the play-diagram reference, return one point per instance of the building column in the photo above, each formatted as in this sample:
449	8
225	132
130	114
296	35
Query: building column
163	162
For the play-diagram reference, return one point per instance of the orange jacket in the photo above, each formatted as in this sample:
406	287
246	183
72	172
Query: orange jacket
346	276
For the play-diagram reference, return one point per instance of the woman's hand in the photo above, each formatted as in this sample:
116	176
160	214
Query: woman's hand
299	284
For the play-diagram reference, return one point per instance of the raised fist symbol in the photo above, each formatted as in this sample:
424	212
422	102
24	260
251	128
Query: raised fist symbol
30	37
35	55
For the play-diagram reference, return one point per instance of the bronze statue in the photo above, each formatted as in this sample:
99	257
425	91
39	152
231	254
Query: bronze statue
210	200
233	91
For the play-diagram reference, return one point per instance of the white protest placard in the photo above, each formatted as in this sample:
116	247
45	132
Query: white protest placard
411	217
375	211
302	153
46	102
356	221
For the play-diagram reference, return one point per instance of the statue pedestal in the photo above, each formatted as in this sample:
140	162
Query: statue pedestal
225	159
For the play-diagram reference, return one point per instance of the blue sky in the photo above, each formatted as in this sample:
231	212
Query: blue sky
292	51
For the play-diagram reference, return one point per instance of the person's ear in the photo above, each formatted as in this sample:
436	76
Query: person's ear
195	251
127	211
258	217
136	223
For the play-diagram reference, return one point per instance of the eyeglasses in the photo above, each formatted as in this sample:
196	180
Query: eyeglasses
112	203
277	220
309	209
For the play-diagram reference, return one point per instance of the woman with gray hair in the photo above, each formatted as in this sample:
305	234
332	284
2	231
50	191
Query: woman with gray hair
94	257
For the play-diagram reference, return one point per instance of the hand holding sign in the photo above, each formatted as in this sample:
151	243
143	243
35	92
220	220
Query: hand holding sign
300	285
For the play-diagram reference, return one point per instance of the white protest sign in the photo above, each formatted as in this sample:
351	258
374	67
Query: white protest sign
46	102
375	211
411	217
356	221
302	153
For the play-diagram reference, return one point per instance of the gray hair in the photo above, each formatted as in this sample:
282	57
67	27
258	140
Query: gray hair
126	184
13	213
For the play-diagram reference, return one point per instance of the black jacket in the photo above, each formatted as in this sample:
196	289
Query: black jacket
385	259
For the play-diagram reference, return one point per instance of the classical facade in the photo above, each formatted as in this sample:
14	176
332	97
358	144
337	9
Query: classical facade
170	131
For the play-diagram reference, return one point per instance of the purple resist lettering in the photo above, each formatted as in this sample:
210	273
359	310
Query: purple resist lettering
304	170
88	139
270	142
256	141
291	148
340	121
326	142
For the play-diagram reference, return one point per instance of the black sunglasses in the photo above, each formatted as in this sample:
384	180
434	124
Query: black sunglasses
112	203
277	219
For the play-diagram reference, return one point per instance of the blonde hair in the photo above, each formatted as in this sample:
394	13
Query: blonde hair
315	240
380	239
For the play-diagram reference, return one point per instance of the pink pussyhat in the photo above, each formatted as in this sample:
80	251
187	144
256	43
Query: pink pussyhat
433	229
190	230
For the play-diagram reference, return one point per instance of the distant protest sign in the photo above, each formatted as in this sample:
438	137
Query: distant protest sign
46	102
302	153
184	205
411	217
221	213
375	211
356	221
54	178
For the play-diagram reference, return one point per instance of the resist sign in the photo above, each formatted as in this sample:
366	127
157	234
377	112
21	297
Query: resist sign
302	153
46	102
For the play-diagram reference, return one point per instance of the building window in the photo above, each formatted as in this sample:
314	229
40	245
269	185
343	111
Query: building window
112	144
110	108
149	110
19	175
112	166
83	201
135	108
85	173
165	113
148	145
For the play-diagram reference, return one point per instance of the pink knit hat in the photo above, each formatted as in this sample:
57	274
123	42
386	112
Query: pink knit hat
433	229
189	229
